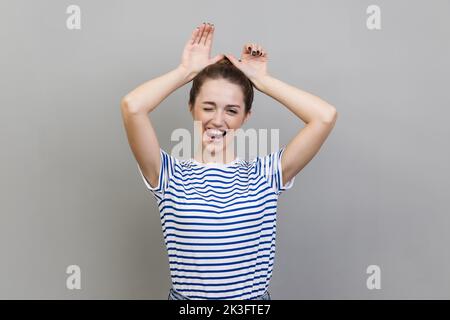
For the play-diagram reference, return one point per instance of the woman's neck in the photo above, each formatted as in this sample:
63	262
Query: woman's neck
215	157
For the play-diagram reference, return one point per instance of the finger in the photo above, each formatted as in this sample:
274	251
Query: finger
202	28
253	52
258	50
205	33
199	33
195	34
210	35
250	48
247	48
263	51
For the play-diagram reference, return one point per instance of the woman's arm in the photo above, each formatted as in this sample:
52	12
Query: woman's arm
137	104
318	115
304	105
145	98
141	135
195	57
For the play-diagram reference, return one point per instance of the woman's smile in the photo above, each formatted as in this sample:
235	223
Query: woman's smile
215	134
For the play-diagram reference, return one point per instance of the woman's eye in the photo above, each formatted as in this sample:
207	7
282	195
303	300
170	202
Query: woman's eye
210	109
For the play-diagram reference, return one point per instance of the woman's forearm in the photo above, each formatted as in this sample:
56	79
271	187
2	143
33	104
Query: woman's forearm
304	105
146	97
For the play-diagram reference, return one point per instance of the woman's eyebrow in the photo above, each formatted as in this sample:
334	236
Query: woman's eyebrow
228	105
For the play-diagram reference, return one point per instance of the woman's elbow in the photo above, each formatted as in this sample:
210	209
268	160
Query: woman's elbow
126	104
331	116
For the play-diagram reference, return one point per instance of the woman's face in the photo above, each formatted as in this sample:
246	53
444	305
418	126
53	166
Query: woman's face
219	108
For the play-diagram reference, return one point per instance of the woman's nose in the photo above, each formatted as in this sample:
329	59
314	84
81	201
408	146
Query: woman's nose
218	118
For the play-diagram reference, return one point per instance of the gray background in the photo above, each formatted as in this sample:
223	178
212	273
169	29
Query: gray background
374	194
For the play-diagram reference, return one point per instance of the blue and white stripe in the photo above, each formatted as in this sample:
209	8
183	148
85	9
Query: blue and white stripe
219	224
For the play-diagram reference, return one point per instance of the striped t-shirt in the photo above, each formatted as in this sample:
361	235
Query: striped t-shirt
219	224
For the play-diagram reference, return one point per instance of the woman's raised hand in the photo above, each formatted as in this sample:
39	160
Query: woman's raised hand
253	62
197	51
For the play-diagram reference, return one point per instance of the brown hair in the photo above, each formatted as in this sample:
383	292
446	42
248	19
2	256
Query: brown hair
223	69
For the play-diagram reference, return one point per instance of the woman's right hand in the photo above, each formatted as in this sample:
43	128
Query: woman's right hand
197	51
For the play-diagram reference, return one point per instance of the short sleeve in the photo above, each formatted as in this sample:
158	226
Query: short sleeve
269	166
165	174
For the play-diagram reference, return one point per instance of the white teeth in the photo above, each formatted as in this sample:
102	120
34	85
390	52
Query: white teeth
215	133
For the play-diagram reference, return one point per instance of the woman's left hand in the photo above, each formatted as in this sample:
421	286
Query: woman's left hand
253	62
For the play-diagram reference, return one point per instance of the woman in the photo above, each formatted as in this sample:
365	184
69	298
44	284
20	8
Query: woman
219	217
